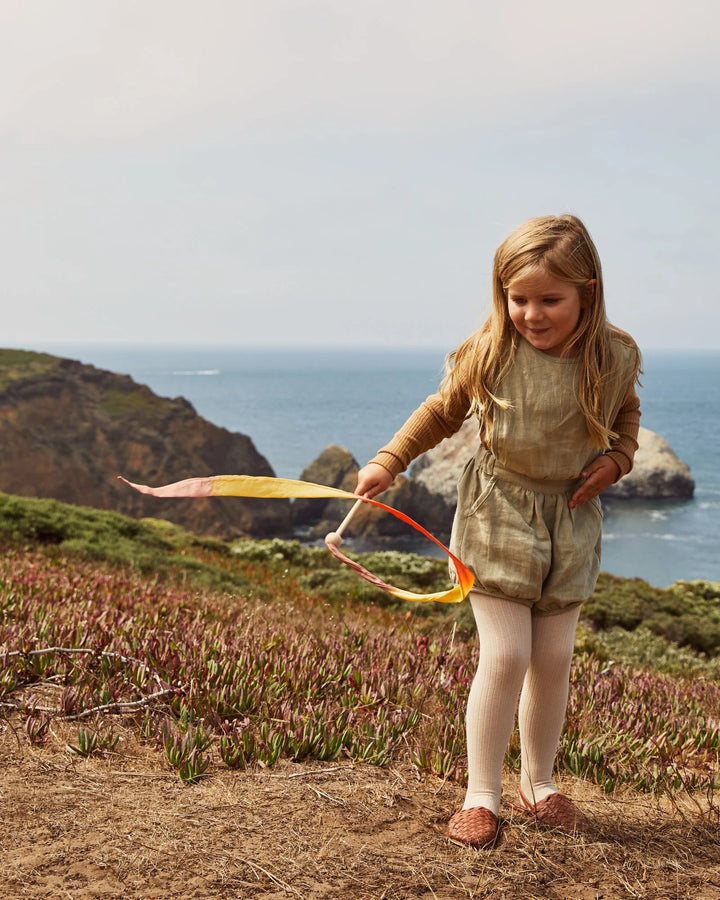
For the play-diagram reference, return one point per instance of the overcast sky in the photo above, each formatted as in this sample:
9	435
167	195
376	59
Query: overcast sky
301	172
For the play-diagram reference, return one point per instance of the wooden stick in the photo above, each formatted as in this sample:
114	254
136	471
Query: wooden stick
335	537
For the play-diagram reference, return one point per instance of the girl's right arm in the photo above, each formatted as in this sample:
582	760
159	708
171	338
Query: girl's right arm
434	420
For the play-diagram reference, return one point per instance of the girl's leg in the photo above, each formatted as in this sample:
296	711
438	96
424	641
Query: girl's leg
543	700
505	632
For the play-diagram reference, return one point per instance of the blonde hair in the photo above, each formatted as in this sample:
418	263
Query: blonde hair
562	246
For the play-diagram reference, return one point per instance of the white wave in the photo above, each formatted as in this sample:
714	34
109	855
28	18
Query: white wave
657	515
197	372
653	536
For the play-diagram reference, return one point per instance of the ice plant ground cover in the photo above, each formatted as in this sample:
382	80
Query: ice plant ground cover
276	671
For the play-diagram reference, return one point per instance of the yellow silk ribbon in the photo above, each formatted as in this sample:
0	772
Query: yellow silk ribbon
287	488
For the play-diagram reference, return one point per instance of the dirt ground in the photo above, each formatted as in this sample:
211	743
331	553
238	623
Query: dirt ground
125	826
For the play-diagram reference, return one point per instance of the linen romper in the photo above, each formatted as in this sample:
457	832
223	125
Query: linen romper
513	527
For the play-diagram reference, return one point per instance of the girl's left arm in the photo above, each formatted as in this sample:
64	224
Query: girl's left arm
618	460
626	426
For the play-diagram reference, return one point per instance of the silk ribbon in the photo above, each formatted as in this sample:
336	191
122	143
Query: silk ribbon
287	488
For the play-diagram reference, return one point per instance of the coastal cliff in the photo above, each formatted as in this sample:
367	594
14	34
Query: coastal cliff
68	429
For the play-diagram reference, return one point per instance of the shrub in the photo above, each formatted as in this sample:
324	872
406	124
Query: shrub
688	613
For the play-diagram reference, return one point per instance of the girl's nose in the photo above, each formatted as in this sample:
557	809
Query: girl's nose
533	312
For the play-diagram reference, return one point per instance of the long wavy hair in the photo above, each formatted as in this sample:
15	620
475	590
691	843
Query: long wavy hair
562	246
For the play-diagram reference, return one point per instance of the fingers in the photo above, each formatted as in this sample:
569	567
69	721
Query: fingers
601	473
373	479
588	489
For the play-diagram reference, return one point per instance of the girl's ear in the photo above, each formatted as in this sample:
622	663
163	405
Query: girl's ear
588	292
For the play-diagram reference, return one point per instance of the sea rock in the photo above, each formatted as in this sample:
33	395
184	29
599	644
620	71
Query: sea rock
337	467
67	430
439	469
658	473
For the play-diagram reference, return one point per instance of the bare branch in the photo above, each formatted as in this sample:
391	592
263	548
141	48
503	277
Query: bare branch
123	707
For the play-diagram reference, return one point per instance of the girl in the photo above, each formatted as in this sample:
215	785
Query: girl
552	384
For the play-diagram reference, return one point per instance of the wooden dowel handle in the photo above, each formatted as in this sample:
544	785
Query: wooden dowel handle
335	537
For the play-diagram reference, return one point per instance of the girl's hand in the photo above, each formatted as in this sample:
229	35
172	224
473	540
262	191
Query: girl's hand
601	473
373	479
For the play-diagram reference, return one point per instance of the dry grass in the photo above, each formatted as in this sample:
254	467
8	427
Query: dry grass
126	826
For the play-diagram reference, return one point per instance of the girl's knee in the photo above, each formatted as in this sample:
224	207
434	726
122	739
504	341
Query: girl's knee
505	661
551	661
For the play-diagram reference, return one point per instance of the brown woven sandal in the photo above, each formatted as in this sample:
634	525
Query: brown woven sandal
477	827
555	811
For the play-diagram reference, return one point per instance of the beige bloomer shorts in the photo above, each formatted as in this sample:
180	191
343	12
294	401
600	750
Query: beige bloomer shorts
521	540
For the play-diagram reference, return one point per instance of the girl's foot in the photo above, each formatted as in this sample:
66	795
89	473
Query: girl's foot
555	811
477	827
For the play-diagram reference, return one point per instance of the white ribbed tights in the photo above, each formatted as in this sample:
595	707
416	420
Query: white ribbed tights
518	650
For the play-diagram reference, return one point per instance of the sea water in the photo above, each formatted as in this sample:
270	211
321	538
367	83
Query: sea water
295	402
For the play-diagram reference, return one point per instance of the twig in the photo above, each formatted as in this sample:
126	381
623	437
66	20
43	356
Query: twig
122	707
320	794
130	705
275	880
316	772
129	774
425	879
86	651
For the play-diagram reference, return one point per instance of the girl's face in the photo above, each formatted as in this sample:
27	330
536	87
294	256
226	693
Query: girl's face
545	310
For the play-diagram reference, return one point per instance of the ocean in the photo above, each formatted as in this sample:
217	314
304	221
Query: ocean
295	402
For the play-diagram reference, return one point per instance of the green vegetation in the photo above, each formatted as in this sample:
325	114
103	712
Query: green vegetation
18	364
687	614
116	402
674	630
151	546
319	573
643	649
240	655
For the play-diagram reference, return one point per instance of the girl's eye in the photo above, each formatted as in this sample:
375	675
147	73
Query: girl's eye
518	301
551	300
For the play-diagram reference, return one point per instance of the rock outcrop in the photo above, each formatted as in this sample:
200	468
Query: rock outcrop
438	470
337	467
658	473
67	430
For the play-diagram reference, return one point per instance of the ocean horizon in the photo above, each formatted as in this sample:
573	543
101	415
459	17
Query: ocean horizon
294	402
